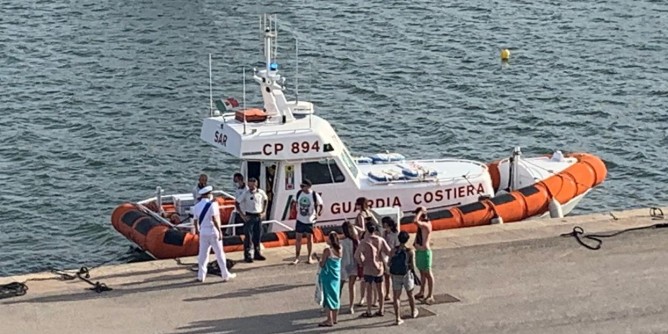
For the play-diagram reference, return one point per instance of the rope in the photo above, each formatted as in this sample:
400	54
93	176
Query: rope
192	267
16	289
97	286
656	213
212	266
13	289
578	232
83	274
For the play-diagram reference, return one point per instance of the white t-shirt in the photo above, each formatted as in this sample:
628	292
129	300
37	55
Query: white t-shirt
392	240
252	202
306	208
238	192
196	192
206	225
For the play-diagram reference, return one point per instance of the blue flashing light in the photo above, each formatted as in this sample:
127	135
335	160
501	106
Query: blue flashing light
273	66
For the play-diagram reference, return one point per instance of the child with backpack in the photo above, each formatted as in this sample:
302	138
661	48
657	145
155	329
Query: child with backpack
402	268
390	234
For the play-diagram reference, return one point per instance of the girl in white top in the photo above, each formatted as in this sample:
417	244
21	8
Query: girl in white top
391	236
349	267
364	215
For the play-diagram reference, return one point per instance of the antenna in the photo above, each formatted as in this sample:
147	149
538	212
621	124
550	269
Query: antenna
262	34
244	95
310	74
244	98
267	45
275	20
297	66
309	95
210	89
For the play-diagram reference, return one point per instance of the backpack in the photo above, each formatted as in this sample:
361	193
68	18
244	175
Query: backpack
399	262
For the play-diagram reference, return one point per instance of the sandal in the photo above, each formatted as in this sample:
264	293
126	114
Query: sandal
325	324
366	315
379	314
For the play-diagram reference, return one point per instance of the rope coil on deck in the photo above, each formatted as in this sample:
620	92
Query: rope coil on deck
13	289
16	289
579	234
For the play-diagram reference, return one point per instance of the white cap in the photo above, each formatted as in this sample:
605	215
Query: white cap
205	190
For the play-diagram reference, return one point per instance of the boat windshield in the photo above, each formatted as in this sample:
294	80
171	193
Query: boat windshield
348	161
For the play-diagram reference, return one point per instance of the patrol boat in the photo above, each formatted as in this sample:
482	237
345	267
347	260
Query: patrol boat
284	142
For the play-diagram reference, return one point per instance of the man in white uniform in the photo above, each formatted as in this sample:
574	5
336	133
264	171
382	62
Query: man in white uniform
252	207
207	225
309	206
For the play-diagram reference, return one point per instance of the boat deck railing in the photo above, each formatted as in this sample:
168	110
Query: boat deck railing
232	228
256	127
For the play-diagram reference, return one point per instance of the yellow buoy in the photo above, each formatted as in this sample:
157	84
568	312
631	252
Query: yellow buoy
505	54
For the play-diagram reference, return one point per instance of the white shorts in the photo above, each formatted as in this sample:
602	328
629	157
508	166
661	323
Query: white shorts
406	281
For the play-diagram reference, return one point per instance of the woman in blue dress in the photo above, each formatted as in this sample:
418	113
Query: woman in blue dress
330	279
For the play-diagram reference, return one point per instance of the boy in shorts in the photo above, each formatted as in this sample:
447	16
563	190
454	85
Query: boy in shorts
309	205
370	254
423	254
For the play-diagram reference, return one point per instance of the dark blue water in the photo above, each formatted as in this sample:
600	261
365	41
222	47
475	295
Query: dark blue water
101	101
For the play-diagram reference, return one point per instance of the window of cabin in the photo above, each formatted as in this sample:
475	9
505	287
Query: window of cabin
322	172
348	161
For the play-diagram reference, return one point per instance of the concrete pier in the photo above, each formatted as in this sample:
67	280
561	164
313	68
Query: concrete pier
512	278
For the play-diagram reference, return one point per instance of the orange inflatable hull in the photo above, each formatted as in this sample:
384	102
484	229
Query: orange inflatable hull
588	172
163	241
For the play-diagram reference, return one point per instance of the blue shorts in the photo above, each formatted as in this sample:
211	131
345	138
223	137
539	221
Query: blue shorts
373	279
303	228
